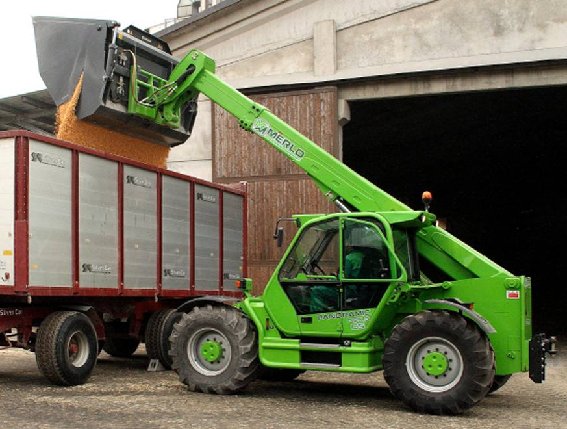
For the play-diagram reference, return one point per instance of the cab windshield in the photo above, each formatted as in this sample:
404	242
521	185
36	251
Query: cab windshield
315	254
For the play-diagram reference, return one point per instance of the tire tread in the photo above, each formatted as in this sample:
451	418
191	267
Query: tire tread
247	352
48	336
447	403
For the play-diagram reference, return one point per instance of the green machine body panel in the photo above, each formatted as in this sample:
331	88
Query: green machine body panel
299	332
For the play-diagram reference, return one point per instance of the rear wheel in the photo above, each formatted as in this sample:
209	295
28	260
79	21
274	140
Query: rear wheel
158	330
66	348
121	347
214	350
438	363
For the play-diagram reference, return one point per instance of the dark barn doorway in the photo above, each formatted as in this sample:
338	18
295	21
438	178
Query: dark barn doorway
496	163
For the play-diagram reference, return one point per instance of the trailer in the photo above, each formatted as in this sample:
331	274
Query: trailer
97	252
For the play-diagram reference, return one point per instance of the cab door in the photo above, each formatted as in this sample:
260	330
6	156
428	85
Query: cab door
309	277
336	275
369	271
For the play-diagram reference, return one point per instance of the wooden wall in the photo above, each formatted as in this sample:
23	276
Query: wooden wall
276	187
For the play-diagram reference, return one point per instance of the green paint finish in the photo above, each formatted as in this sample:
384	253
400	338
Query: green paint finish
365	309
435	364
211	351
510	318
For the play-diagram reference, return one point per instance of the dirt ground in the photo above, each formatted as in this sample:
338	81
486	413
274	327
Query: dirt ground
122	394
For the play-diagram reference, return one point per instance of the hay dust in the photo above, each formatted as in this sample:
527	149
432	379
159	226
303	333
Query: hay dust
85	134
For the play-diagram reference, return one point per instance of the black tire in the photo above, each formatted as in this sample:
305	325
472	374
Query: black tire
215	350
279	374
66	348
499	381
438	362
121	346
158	331
151	336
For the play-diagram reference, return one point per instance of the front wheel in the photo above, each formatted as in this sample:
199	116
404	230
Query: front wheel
438	362
214	350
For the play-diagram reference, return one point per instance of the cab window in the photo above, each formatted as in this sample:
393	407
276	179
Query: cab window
315	254
366	261
309	273
318	276
365	253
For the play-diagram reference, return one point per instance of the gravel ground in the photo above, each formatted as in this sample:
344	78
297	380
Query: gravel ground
122	394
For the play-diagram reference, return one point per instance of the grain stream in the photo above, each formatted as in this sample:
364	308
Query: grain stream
85	134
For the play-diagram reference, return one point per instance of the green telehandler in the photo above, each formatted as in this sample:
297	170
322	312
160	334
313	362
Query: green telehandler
376	286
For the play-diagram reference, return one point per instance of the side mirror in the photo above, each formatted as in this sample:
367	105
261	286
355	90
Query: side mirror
279	232
278	236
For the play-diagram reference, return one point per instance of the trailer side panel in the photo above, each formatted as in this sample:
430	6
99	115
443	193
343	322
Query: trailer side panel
176	268
50	213
233	230
98	222
207	238
7	172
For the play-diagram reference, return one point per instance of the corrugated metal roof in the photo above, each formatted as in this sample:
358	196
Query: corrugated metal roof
34	111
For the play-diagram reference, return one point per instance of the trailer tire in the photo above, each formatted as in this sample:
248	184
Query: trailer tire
499	381
438	362
122	347
158	331
215	350
66	348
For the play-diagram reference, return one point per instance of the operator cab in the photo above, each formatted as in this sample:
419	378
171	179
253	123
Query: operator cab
345	262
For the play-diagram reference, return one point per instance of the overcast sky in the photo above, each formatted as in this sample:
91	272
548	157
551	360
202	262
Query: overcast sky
18	73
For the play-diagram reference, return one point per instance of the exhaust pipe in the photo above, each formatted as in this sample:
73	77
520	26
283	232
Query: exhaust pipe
104	55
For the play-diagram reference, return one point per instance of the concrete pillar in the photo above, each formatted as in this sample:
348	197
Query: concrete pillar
324	48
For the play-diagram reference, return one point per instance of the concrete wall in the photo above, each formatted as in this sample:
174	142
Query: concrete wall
260	43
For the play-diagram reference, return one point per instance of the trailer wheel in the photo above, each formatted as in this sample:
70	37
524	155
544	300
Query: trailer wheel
438	363
214	350
66	348
499	381
121	346
158	330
